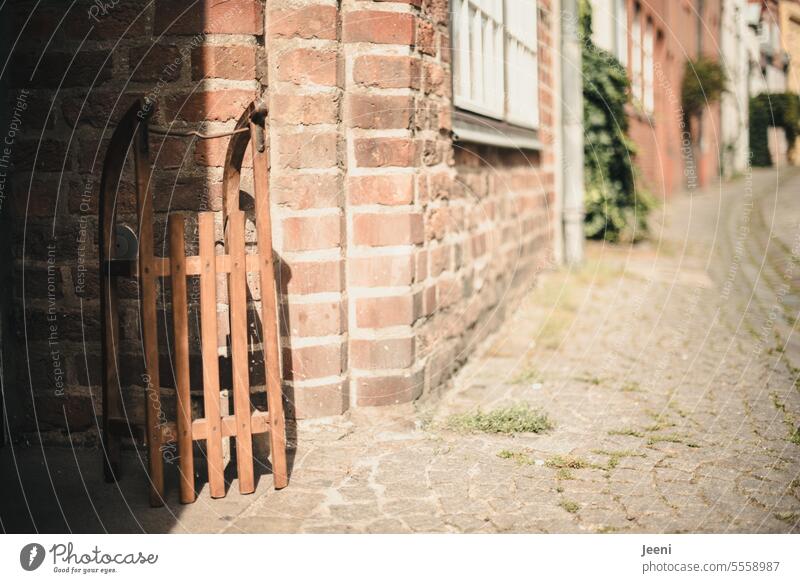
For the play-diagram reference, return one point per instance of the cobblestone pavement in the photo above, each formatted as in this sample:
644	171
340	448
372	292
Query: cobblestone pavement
667	370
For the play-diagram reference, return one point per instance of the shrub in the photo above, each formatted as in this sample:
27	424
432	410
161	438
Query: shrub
704	80
616	206
776	110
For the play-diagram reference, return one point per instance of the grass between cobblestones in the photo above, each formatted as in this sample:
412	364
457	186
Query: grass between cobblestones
515	419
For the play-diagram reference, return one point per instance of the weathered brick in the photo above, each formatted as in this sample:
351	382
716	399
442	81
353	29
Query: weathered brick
213	152
378	27
40	112
190	193
154	63
436	81
100	109
446	53
308	150
437	9
379	229
386	152
305	109
382	353
426	37
421	262
438	223
304	22
310	362
170	153
89	68
303	402
208	16
316	319
303	66
392	189
380	111
315	232
306	191
224	62
101	21
51	410
38	281
387	390
219	105
383	312
36	197
448	291
439	258
381	270
387	71
46	155
311	277
429	300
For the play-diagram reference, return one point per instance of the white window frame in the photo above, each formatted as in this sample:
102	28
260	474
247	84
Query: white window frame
636	54
648	49
495	64
621	31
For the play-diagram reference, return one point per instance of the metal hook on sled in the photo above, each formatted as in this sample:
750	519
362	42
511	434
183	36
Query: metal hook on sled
122	254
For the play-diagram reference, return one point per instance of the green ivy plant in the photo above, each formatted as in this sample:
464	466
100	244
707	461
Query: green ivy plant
704	80
776	110
616	205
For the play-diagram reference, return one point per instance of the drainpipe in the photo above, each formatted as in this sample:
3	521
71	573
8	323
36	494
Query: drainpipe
571	133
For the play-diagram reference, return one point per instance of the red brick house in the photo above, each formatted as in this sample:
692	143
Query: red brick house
654	39
413	180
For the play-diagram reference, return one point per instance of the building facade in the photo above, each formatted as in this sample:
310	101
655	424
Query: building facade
768	60
735	101
653	40
413	180
789	12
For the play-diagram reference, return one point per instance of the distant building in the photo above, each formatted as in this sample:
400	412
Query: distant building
653	40
789	11
768	60
735	101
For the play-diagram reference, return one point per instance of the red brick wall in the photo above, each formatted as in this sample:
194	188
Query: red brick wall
661	151
489	229
398	249
202	66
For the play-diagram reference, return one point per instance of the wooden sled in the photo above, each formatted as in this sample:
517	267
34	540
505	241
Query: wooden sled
119	258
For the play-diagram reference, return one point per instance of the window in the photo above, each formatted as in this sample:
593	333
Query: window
495	59
649	96
621	31
636	54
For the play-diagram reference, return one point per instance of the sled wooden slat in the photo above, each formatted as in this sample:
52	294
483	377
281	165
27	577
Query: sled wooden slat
147	292
208	330
269	309
259	423
180	321
237	295
194	265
